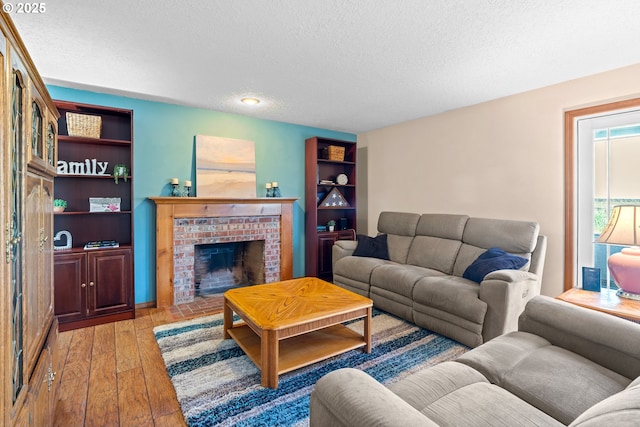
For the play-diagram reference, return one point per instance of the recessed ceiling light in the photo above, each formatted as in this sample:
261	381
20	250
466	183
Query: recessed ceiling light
250	101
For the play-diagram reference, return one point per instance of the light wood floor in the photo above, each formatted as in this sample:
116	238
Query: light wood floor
113	374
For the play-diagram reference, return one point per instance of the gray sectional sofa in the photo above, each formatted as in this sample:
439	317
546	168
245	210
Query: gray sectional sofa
422	281
566	365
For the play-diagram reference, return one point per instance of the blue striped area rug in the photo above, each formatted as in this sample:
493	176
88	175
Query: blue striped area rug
217	384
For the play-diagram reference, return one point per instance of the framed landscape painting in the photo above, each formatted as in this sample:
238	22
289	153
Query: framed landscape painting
225	167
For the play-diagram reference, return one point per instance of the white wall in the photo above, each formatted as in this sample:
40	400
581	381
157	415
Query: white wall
499	159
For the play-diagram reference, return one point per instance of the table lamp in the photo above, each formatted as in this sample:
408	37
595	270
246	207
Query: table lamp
623	228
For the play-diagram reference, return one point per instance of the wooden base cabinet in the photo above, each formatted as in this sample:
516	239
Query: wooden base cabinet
324	268
93	287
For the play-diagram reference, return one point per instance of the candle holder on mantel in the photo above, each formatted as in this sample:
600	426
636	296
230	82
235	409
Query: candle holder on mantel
186	192
175	192
275	190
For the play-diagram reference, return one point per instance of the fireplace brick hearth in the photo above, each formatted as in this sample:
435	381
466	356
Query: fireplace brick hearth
187	221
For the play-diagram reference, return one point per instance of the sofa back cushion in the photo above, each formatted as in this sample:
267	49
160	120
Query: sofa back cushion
480	234
400	228
438	239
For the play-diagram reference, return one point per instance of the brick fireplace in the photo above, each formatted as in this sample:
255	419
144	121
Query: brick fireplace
184	223
190	233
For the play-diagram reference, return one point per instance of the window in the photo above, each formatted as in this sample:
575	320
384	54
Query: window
602	145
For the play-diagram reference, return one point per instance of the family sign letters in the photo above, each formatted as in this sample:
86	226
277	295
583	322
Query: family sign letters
87	167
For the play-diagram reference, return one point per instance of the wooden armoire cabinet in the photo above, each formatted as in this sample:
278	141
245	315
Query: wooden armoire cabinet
28	330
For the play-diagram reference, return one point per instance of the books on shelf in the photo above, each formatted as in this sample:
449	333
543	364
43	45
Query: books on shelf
101	244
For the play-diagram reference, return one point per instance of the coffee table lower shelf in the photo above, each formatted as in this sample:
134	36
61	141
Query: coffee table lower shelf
301	350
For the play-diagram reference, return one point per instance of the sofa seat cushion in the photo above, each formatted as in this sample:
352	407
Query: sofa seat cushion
561	383
454	394
358	268
400	278
558	382
621	409
496	357
451	294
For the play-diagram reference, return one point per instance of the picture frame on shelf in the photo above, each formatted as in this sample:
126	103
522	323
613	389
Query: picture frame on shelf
104	204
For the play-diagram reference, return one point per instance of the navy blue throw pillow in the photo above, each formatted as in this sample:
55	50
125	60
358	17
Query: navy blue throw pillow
491	260
375	247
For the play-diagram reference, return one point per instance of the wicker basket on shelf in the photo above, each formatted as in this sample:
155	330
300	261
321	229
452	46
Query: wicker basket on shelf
84	125
336	153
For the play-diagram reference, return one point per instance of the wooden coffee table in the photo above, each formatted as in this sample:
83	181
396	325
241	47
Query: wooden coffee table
294	323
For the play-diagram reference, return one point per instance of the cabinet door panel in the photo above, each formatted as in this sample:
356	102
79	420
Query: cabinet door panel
46	252
33	326
325	245
55	370
39	399
109	281
70	295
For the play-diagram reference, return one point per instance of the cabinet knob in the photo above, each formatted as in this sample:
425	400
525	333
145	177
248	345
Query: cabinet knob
84	285
91	283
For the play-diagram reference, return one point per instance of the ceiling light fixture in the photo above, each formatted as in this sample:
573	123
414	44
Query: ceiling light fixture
250	101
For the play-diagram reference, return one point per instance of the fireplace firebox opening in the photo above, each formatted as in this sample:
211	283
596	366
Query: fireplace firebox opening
219	267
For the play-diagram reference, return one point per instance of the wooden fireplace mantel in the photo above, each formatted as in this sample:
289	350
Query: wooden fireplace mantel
170	208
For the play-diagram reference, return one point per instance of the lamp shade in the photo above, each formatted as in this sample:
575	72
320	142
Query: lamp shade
623	226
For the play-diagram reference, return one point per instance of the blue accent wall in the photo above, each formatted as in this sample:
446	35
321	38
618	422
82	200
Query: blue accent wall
163	148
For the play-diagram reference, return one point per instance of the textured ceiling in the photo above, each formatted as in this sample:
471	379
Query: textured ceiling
345	65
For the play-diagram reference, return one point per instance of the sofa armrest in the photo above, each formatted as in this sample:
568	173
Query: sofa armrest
538	256
349	397
341	249
506	292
